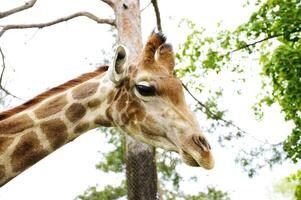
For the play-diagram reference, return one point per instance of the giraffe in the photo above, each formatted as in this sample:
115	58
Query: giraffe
141	97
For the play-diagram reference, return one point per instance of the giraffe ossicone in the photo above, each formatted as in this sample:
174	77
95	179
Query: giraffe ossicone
143	98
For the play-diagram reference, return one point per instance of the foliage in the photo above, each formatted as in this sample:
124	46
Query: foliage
296	178
284	68
114	162
211	194
272	37
290	185
108	193
281	19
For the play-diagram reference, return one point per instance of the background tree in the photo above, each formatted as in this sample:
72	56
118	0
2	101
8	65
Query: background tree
289	186
271	37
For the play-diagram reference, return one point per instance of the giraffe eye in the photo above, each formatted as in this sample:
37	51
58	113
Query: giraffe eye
145	90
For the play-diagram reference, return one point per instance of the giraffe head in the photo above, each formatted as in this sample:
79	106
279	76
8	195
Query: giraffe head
149	103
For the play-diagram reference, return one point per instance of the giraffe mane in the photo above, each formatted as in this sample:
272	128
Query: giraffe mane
39	98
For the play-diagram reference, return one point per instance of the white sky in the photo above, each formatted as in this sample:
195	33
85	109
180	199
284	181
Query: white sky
42	59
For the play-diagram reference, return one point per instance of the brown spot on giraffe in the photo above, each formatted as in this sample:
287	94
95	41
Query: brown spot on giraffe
15	124
4	143
94	103
145	130
55	131
99	120
51	107
27	152
75	112
2	172
82	127
124	118
134	125
150	119
117	94
128	84
109	115
122	101
85	90
136	111
140	114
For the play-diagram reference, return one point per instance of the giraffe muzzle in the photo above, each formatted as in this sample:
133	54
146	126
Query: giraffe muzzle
197	153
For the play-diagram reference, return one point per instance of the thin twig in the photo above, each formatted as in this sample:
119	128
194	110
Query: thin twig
59	20
2	74
157	12
27	5
3	65
218	118
252	44
257	42
146	6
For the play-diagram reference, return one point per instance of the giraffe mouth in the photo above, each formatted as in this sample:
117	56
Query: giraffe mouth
203	159
197	152
188	159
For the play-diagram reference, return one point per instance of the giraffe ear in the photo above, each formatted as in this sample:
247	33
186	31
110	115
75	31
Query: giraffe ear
118	68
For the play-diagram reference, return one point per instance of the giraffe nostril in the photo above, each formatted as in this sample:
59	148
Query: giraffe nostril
201	142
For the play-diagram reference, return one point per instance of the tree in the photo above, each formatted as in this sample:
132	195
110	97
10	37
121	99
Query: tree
274	26
290	185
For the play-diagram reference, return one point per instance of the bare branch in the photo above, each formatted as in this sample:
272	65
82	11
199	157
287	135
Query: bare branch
27	5
3	65
157	12
218	118
252	44
258	41
109	2
59	20
146	6
2	74
213	115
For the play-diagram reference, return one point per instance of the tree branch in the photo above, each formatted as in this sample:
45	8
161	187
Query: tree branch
146	6
157	12
257	42
27	5
213	115
59	20
253	43
108	2
218	118
2	74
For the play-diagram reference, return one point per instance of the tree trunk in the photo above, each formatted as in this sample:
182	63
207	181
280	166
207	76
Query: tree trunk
141	165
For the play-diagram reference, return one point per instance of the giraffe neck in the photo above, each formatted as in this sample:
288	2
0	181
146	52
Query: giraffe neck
32	134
